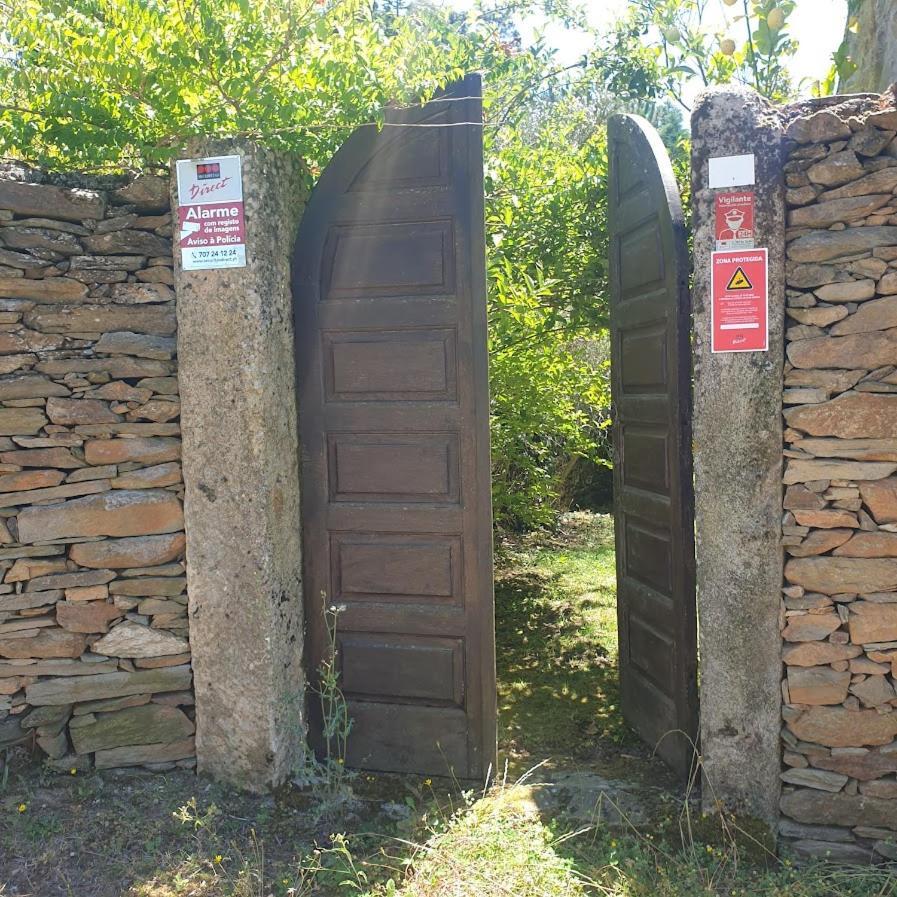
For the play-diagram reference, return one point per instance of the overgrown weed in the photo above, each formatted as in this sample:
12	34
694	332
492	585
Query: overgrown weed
326	777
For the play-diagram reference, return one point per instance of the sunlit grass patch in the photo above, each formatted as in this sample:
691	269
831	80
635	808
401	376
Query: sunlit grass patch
498	847
556	634
503	845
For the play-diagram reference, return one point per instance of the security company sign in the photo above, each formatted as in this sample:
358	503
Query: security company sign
735	220
211	227
740	309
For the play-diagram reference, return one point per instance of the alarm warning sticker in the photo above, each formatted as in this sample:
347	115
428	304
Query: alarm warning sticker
211	222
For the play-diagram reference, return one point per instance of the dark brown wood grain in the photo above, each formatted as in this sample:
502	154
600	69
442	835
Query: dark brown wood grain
390	316
653	486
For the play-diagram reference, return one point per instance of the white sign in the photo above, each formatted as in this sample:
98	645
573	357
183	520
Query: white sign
211	225
732	171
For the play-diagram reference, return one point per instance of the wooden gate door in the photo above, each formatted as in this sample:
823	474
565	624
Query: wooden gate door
653	489
390	313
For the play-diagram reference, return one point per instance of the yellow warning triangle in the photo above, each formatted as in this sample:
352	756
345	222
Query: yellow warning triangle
739	281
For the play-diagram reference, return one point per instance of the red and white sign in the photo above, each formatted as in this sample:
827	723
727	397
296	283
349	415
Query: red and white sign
211	226
735	220
739	313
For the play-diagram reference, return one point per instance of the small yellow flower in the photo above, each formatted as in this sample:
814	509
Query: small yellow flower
22	808
340	761
428	782
613	843
73	771
218	858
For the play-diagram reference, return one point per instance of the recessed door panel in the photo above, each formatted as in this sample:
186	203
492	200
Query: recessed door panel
413	366
394	467
409	258
394	667
411	567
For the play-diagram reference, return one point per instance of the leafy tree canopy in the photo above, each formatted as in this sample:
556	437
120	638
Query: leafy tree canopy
93	83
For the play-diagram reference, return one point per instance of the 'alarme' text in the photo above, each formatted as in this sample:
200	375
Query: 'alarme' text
204	214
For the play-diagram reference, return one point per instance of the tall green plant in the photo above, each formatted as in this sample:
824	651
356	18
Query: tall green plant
545	215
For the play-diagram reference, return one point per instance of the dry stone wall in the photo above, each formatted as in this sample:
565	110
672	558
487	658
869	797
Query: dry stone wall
94	652
839	615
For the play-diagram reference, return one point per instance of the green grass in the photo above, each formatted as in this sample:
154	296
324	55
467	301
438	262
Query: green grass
144	838
174	835
556	635
502	845
498	846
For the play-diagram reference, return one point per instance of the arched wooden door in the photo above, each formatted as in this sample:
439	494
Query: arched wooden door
390	316
653	487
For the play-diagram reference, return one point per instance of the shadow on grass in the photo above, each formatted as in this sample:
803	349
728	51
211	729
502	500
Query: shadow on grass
132	834
558	686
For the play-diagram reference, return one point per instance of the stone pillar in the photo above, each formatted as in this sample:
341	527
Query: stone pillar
241	473
738	474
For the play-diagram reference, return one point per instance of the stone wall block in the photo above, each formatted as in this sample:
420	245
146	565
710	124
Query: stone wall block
840	700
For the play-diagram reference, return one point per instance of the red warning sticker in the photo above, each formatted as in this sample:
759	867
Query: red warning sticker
740	309
735	220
